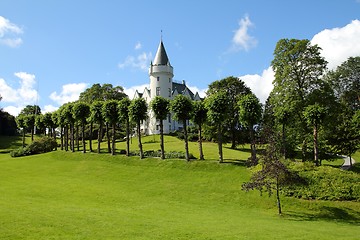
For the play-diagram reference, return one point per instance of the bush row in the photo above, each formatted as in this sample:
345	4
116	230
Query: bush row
326	183
42	145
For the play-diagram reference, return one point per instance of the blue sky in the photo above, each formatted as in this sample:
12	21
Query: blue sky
50	51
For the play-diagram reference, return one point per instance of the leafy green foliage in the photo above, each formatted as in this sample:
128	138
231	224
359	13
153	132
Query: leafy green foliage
41	145
98	92
325	183
181	107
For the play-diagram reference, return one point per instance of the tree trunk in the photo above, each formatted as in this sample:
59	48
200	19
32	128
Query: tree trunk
316	153
219	139
162	139
54	135
113	149
66	132
83	137
350	160
127	137
108	137
278	196
284	140
186	141
99	137
61	138
139	140
72	138
201	157
90	137
32	134
77	137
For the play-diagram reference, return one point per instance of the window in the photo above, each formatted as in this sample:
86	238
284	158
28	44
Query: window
169	79
169	92
157	91
158	78
169	117
157	127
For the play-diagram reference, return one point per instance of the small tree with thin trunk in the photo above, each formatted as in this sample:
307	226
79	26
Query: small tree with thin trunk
273	175
199	118
160	107
20	122
111	115
81	112
314	115
182	108
124	117
218	109
96	116
249	115
138	112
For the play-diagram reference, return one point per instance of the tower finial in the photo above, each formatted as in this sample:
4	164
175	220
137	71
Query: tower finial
161	35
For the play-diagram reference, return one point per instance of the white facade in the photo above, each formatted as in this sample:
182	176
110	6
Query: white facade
162	84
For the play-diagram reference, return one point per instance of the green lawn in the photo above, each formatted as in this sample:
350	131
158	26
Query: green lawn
64	195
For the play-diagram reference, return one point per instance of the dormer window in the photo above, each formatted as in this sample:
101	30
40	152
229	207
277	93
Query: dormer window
158	78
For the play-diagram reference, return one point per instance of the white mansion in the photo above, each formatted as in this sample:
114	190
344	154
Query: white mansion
162	84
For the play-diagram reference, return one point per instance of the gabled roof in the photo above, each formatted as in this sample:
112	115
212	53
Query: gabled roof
181	88
161	57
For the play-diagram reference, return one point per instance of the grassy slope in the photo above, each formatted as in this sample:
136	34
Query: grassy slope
63	195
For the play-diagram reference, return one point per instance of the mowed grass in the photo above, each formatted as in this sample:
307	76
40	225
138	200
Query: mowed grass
64	195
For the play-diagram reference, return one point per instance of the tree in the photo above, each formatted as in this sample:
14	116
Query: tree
298	68
138	113
55	121
81	112
20	121
345	138
160	107
97	117
314	115
40	124
218	108
345	81
29	121
199	117
249	115
7	124
67	116
111	115
30	109
234	88
272	176
182	108
49	123
103	92
124	117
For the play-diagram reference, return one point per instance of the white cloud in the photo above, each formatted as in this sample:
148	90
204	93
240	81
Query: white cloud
49	108
138	46
260	85
338	44
141	62
241	39
202	92
9	32
131	91
69	93
14	110
25	94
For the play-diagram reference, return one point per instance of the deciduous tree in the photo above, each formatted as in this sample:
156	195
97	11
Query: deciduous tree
124	117
111	115
81	112
199	117
182	108
138	112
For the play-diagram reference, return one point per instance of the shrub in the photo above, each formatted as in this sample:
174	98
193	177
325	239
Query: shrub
326	183
42	145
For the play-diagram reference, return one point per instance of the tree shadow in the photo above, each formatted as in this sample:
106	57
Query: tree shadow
345	215
236	162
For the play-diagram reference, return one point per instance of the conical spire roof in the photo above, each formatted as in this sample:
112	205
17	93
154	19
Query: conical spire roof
161	57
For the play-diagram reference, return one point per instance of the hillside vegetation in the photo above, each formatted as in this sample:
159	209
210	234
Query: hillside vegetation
64	195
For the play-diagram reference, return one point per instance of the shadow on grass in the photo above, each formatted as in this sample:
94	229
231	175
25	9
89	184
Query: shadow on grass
235	162
335	214
8	143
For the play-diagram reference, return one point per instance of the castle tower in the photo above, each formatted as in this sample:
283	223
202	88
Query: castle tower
161	76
